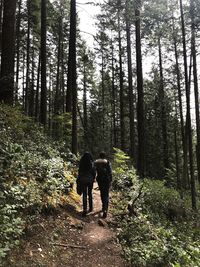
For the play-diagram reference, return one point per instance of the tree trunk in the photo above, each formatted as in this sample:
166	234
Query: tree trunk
37	100
178	182
85	117
32	85
1	16
140	104
27	92
63	77
8	52
18	49
113	101
23	80
121	82
43	101
103	93
196	89
57	95
163	111
71	78
184	140
130	85
188	124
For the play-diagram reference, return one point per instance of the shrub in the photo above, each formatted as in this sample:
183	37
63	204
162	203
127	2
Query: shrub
163	231
33	175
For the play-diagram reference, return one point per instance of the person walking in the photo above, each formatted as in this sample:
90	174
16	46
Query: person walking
104	179
86	178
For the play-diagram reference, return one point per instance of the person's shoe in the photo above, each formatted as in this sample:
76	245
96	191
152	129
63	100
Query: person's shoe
104	214
84	213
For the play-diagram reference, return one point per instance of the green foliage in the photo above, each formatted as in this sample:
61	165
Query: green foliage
159	198
150	244
33	175
157	227
124	177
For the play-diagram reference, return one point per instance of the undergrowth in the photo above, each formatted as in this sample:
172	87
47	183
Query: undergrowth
34	176
157	227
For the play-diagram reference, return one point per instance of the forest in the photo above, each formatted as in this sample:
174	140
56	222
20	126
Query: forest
134	95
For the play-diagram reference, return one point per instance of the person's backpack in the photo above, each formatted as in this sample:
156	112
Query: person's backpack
103	173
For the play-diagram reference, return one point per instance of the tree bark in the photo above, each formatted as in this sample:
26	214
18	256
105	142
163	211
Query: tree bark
121	82
71	78
23	80
85	117
27	91
184	141
103	93
43	101
130	84
32	85
1	16
113	101
57	95
140	104
8	52
196	89
188	124
163	111
37	100
18	49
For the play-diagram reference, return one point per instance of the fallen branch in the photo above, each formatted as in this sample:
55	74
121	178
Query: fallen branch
68	246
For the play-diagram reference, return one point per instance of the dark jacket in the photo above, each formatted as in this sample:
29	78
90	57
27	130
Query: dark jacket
87	177
104	171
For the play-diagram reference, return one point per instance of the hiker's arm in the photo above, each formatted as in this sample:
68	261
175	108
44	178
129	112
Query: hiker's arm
94	174
110	171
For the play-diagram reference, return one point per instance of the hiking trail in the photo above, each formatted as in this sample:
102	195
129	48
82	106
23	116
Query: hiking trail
67	239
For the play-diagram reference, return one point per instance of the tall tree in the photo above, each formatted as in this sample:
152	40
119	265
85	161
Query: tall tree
188	120
27	91
163	109
43	102
18	48
195	75
140	103
1	13
183	138
114	123
130	82
121	78
8	51
71	78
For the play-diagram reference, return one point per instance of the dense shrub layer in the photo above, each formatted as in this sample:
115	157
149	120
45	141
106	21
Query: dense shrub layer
33	174
157	227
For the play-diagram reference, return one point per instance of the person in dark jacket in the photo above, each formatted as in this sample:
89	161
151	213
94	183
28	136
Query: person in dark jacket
104	179
86	178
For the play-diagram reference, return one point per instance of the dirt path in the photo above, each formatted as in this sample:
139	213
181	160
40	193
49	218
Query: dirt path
89	241
102	248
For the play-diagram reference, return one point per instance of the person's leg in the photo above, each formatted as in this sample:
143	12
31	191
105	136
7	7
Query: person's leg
105	198
84	200
106	192
102	195
90	187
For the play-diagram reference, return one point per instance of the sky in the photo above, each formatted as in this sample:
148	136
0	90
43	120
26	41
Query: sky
87	13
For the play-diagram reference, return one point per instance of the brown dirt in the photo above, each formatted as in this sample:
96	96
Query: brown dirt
87	243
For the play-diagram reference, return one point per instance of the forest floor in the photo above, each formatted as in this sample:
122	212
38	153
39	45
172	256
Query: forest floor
67	239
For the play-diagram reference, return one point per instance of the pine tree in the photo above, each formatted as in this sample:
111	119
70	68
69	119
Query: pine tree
7	54
43	103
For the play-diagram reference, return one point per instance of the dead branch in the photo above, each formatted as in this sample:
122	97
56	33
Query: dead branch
68	245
